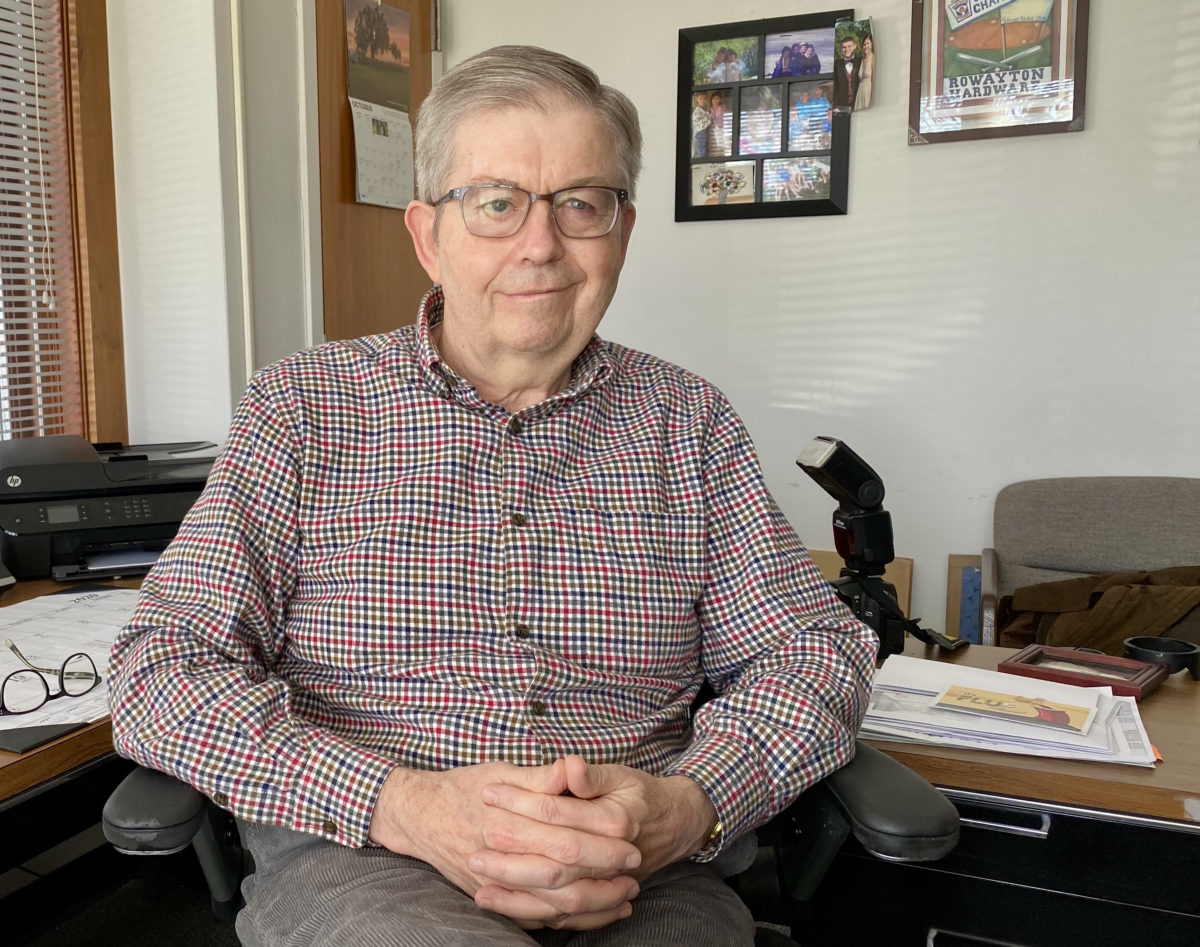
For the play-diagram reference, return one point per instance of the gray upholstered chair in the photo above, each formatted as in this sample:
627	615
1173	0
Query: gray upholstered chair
891	811
1066	527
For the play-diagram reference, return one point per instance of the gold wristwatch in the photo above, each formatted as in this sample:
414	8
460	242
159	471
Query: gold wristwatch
714	837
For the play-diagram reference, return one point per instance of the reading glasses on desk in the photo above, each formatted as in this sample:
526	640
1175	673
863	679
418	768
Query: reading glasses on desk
25	691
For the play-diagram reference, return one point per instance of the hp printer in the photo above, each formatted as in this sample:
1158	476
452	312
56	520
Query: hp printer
73	510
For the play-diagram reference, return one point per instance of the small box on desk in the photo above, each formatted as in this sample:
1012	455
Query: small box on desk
1126	677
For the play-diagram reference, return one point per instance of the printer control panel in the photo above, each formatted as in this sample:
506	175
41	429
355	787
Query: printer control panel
94	512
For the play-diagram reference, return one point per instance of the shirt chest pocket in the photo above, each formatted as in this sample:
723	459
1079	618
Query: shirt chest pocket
628	581
395	579
646	545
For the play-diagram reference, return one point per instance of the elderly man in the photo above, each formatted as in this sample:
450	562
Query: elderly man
434	630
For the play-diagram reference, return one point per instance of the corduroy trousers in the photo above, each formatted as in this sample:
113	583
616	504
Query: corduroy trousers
305	890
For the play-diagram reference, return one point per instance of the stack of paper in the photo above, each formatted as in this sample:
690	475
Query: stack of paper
47	631
921	701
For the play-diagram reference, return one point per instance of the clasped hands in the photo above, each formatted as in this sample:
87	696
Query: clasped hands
562	845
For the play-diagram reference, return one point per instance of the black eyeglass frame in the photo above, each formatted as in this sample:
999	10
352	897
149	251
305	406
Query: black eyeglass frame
456	194
61	674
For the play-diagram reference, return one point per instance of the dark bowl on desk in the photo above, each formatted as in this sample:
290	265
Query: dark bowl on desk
1173	653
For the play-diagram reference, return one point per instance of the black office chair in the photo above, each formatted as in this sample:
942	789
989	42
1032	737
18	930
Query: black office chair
893	813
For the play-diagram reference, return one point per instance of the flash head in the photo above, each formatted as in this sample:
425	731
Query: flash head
842	474
862	535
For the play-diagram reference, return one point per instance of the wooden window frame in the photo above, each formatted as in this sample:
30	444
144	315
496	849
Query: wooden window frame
94	213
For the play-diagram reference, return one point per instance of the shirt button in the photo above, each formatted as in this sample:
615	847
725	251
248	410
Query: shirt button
538	708
518	519
329	827
221	799
522	631
516	426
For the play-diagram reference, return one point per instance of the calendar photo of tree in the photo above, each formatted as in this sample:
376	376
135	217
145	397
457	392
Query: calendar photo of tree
377	53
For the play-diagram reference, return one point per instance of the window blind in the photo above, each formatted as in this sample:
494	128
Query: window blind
40	388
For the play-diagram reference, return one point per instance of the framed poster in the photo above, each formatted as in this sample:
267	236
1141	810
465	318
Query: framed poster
996	68
757	133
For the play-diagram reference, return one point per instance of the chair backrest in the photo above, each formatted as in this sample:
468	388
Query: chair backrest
1065	527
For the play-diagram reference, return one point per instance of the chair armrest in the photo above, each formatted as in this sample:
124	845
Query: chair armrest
989	592
894	813
152	813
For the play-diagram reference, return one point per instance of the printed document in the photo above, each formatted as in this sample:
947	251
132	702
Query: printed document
50	629
920	701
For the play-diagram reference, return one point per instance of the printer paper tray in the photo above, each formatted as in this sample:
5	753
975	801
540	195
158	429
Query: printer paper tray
116	562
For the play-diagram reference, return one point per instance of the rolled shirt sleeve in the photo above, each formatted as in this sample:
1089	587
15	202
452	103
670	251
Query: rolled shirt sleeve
792	667
195	688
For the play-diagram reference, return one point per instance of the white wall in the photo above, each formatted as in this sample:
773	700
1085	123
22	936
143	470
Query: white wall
278	61
215	150
180	280
986	312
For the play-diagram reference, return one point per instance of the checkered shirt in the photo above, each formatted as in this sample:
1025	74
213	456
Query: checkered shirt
385	570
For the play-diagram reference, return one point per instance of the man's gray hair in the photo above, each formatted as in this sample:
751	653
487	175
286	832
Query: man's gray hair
518	77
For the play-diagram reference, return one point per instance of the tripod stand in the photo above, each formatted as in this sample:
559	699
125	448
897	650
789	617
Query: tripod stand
874	603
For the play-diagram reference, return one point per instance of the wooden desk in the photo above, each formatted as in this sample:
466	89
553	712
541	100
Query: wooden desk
23	773
1171	790
1052	852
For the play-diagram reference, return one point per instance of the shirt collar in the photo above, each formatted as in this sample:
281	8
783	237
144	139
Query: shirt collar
593	366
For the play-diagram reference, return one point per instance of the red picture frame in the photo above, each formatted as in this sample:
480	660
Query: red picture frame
1126	677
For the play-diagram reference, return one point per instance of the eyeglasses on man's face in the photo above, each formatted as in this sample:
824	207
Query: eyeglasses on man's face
24	691
500	210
